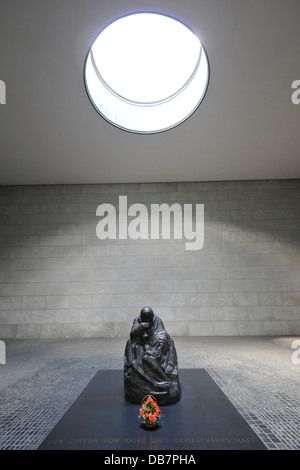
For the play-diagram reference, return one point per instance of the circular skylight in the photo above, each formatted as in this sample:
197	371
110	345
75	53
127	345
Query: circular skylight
146	72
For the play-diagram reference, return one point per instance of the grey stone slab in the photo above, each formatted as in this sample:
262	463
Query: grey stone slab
232	285
260	313
276	327
250	328
269	298
245	299
203	328
235	313
226	328
255	285
211	314
291	298
285	312
28	331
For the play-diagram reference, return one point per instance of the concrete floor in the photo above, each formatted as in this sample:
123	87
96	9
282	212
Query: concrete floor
42	378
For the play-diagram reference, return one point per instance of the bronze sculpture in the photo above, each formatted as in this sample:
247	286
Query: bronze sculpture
150	361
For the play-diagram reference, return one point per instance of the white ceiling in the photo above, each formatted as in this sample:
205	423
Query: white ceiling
246	128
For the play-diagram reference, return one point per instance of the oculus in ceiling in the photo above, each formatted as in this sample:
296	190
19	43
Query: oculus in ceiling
146	72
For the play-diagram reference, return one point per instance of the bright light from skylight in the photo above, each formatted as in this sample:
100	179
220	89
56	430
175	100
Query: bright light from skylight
146	72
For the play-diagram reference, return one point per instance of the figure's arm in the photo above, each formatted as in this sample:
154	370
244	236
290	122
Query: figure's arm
172	360
137	329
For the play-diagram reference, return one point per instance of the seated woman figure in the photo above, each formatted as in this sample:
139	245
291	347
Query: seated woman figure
150	361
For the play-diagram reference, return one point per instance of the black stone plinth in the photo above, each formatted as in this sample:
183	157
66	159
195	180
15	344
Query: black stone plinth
204	418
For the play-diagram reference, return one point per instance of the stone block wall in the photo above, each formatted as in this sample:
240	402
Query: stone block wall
59	280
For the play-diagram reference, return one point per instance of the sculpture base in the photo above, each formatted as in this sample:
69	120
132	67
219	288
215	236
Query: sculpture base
134	392
136	386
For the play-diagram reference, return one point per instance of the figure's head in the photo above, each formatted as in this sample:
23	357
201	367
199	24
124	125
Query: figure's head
147	315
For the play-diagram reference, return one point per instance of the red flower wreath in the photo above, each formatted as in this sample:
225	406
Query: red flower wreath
149	411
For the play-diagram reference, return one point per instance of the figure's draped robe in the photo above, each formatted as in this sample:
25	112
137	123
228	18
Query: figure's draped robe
150	364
